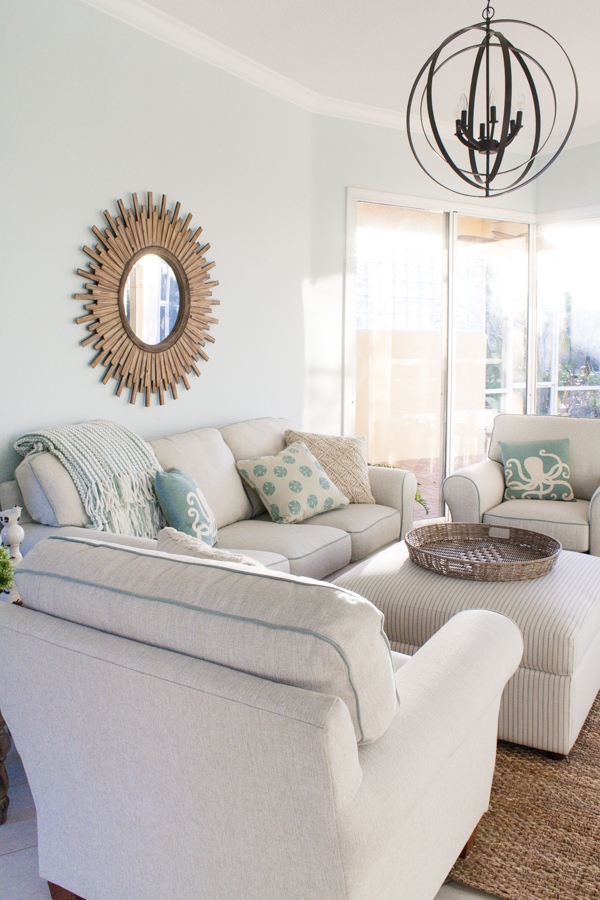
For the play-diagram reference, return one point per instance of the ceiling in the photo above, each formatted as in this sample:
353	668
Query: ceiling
368	52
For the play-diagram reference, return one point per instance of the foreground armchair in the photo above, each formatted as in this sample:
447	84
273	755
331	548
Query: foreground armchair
476	493
194	729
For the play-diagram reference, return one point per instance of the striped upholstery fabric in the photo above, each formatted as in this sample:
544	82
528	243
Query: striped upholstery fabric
546	702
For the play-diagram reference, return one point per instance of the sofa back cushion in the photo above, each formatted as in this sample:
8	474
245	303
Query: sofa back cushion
306	633
205	456
256	437
583	434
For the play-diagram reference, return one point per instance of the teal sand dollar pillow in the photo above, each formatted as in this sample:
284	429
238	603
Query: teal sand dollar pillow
292	484
537	470
184	505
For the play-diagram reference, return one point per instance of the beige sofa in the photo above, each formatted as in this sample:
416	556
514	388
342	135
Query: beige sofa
475	493
319	547
198	729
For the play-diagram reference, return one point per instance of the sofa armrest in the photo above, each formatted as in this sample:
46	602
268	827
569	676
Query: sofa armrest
471	491
395	488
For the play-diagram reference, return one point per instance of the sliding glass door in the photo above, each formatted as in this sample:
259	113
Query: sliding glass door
437	332
489	332
400	340
434	367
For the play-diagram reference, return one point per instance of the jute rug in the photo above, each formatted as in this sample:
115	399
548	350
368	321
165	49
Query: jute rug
540	839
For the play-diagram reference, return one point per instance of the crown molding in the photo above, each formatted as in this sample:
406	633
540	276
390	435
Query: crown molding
170	30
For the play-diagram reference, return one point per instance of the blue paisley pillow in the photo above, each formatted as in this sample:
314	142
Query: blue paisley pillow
184	505
537	470
292	484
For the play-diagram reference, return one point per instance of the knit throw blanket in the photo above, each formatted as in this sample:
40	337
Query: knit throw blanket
113	470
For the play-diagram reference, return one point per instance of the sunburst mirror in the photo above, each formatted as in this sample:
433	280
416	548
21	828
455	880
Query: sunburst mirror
149	299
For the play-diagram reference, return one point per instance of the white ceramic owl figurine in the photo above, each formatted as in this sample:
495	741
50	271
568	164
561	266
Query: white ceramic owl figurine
12	534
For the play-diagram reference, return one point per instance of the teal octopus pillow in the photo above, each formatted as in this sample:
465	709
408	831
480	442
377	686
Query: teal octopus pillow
184	505
292	484
537	470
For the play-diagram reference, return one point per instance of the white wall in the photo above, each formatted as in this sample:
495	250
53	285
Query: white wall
92	110
572	181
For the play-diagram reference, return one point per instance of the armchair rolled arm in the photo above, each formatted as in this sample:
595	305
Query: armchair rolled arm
594	517
449	690
456	675
395	488
471	491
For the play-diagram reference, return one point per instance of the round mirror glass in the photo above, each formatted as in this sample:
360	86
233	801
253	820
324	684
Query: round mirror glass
151	299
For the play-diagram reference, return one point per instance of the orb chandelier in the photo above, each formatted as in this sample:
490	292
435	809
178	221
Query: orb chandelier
510	123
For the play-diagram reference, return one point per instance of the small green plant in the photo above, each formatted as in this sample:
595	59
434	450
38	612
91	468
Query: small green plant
7	572
420	499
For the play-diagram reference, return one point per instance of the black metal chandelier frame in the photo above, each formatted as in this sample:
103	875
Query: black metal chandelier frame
495	134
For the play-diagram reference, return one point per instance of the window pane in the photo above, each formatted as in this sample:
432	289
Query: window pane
568	317
399	304
490	331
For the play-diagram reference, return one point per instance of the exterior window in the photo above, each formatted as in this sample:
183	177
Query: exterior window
489	333
568	319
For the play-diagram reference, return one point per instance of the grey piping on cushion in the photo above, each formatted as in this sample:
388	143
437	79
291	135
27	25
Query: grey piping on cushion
210	563
392	514
317	549
495	515
218	614
163	678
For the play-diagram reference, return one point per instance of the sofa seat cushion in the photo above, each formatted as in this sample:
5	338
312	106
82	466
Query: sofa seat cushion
309	634
370	526
205	456
312	550
566	522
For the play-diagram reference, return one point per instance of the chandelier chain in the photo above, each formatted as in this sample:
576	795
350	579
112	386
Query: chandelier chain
489	12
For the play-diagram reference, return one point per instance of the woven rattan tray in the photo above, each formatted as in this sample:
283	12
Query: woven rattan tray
482	552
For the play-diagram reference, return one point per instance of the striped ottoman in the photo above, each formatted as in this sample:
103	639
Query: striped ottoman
546	702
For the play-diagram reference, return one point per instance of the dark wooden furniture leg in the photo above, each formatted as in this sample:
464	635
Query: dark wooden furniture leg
469	845
59	893
4	748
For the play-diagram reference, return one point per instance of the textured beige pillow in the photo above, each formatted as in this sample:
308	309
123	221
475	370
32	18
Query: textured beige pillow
344	460
172	541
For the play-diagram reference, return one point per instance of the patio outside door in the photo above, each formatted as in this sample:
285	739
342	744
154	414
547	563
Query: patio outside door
400	344
434	368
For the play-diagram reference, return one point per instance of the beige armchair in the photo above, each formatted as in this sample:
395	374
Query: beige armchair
476	493
206	731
